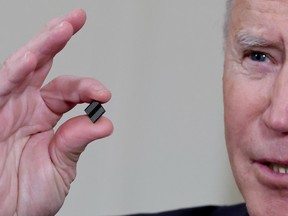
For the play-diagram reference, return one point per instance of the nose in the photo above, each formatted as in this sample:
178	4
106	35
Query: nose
276	115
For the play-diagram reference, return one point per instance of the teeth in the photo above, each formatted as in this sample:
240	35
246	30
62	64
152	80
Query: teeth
275	168
282	170
278	168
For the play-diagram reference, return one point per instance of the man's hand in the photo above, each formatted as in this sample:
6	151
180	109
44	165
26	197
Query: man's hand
36	164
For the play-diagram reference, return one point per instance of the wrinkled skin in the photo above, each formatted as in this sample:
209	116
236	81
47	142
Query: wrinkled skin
256	103
36	164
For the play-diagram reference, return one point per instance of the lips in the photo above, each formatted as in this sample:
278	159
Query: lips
275	166
278	168
272	173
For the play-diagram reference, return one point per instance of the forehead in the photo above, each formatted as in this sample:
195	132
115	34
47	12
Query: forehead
276	7
267	17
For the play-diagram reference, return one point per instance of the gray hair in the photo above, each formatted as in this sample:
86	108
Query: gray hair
229	5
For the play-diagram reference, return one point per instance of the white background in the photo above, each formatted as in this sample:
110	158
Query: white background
163	62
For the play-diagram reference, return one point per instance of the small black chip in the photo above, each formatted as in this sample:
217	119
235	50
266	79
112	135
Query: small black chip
95	111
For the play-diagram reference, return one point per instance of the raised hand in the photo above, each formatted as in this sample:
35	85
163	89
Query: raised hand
37	164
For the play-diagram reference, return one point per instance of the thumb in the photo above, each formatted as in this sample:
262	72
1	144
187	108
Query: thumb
70	141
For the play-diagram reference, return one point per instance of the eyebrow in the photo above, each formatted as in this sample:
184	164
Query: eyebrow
247	40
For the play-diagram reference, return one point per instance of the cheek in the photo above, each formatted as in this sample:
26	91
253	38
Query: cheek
244	105
237	101
245	101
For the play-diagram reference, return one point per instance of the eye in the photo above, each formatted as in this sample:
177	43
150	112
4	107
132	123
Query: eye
259	62
258	56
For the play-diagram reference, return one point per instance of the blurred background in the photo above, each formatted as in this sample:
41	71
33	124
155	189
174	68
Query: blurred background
163	62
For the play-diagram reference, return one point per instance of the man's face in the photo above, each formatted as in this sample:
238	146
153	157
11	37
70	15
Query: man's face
255	86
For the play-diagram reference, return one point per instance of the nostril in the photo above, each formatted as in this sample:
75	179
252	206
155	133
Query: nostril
275	109
276	120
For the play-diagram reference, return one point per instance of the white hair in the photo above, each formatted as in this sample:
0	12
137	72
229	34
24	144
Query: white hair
229	5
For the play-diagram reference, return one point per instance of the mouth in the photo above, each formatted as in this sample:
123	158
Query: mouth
278	168
272	174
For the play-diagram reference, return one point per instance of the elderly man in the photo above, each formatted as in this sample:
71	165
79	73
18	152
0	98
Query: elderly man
37	166
256	104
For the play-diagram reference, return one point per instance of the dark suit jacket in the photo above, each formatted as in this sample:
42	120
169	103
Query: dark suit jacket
235	210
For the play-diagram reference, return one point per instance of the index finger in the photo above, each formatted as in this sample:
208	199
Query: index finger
41	49
54	37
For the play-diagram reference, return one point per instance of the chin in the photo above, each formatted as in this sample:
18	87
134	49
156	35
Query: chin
264	202
269	208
